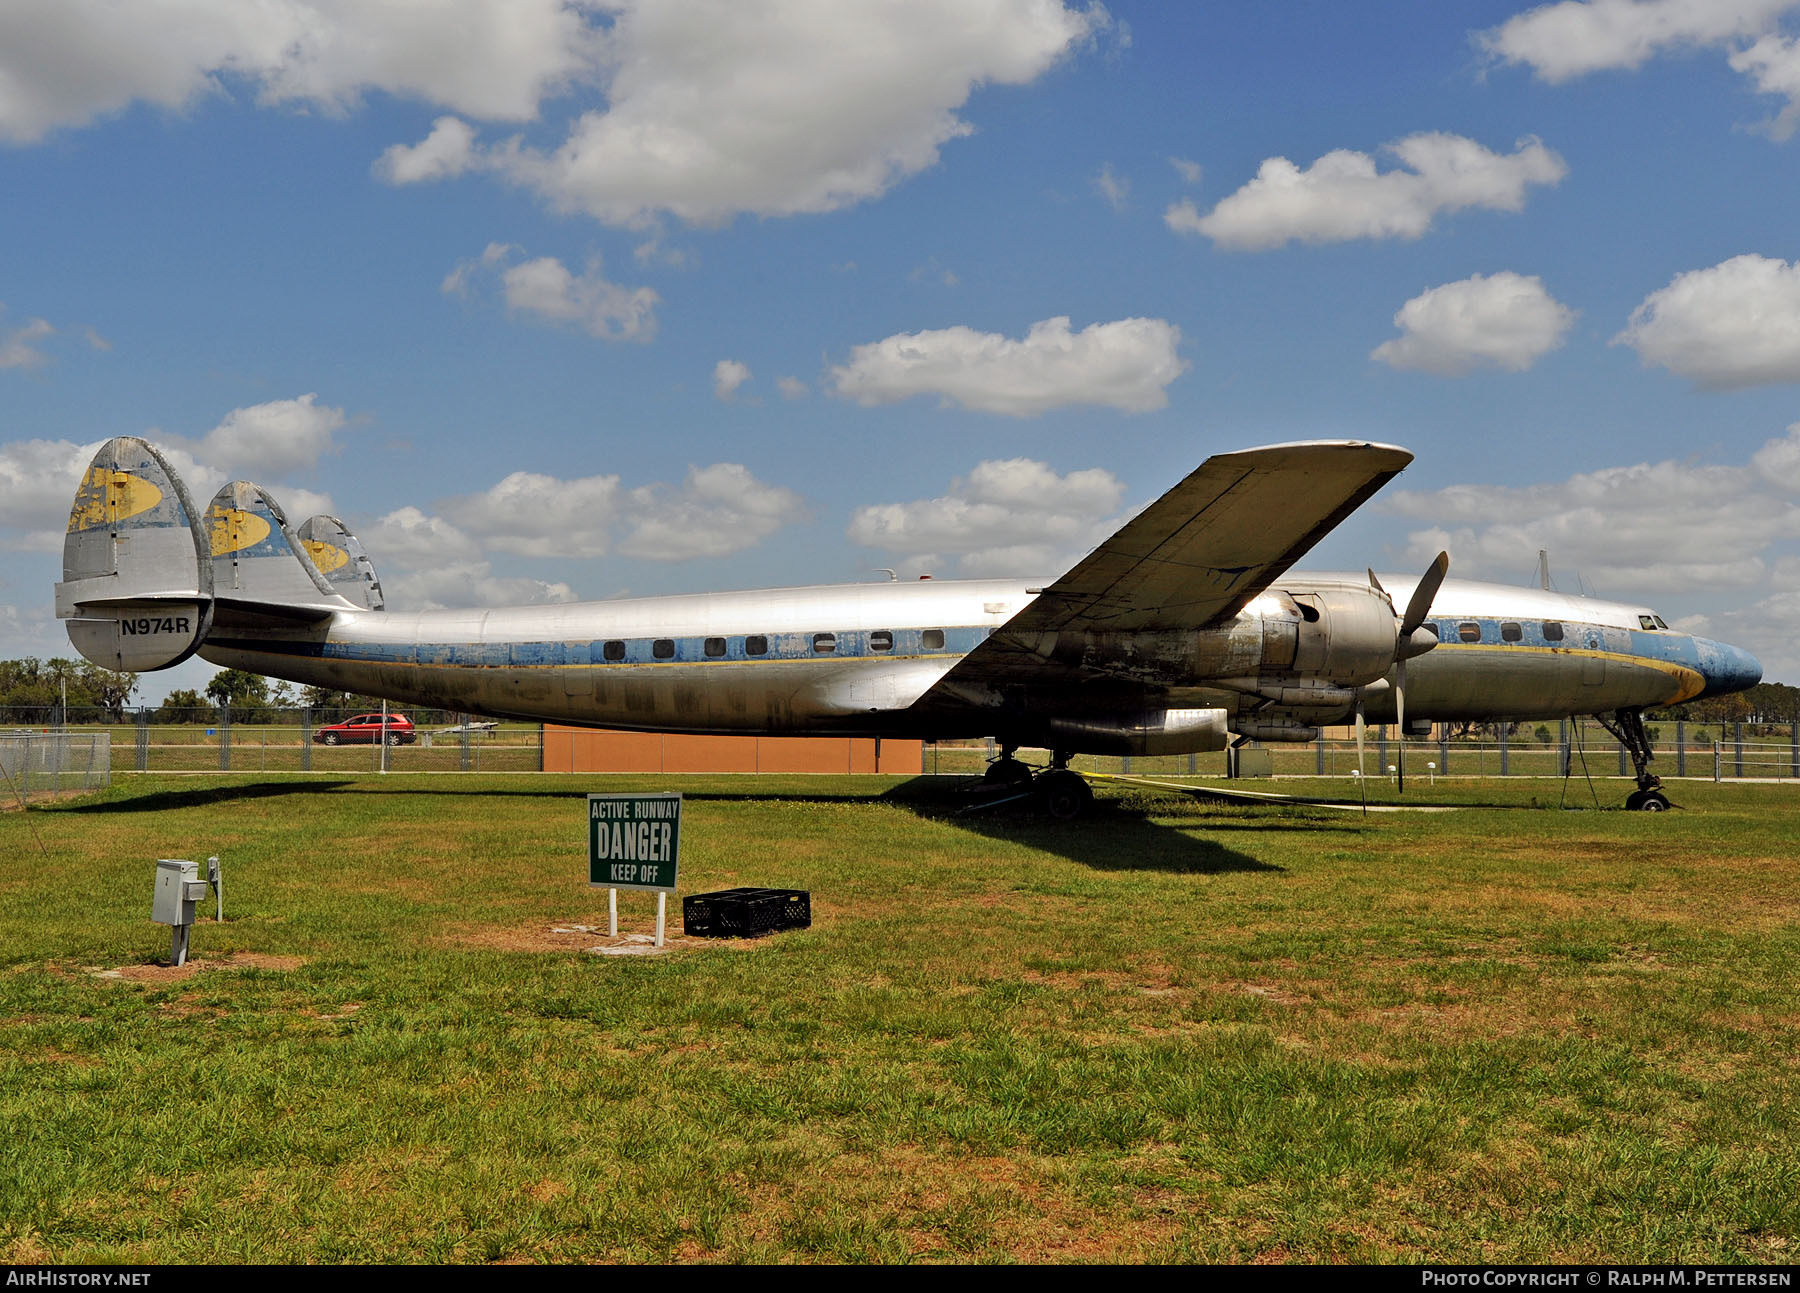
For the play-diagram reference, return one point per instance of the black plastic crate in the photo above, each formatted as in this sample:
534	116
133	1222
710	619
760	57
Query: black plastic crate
744	913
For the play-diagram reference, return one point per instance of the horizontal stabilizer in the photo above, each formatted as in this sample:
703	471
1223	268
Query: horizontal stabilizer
137	582
339	557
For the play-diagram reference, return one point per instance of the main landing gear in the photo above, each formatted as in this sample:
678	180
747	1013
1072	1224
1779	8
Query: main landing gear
1061	792
1627	727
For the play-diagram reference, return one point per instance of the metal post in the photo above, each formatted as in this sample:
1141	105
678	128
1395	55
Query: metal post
1794	745
662	907
465	741
1681	747
1738	740
1444	750
612	913
1503	749
306	739
382	766
1718	758
225	738
143	739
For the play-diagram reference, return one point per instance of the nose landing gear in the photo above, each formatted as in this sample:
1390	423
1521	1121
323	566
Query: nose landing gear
1627	727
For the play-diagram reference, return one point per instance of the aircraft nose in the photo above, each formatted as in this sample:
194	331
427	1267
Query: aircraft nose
1727	668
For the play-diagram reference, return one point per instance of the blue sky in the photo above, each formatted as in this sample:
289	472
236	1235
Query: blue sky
554	300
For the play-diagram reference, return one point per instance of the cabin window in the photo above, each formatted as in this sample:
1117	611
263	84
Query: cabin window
614	650
1553	631
932	640
824	643
756	644
1510	632
663	648
1468	631
881	640
715	647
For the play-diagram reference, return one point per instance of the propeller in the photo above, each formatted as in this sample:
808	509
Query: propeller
1418	606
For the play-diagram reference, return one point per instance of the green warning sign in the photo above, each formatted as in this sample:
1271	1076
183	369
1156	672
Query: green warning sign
634	841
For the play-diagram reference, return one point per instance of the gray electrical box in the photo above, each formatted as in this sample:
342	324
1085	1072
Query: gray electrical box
178	888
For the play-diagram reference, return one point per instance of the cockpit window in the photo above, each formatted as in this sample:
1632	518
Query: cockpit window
1647	621
1659	621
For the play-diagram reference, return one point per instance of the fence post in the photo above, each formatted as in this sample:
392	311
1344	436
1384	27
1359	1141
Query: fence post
1444	749
143	739
225	738
1503	750
463	722
1794	746
1738	739
1319	754
306	739
1717	760
1681	747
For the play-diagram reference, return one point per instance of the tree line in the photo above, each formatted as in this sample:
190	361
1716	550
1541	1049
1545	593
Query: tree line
34	692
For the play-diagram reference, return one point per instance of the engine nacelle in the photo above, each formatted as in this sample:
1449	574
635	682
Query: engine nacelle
1155	731
1345	636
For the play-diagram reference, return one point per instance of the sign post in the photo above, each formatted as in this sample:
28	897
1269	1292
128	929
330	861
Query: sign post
634	842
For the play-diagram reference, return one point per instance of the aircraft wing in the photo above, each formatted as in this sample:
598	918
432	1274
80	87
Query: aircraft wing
1196	556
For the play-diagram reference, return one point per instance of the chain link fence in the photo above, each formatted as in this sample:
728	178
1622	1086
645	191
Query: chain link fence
35	763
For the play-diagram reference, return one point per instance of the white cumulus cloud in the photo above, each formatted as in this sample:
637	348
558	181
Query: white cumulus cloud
1736	324
770	108
546	289
280	435
1563	41
719	510
1127	364
1007	516
1503	320
728	375
1342	196
19	346
1631	532
65	62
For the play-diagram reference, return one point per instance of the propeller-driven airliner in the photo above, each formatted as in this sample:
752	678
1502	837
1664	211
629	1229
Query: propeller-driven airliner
1186	630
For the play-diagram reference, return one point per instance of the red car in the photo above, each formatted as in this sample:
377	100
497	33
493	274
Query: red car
365	729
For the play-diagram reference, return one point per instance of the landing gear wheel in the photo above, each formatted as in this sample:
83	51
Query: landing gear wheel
1066	795
1647	801
1006	772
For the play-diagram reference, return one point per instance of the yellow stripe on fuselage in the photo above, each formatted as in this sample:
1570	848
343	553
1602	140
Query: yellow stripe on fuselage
1692	681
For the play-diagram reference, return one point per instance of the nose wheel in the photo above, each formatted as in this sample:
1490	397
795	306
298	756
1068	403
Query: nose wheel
1061	792
1627	727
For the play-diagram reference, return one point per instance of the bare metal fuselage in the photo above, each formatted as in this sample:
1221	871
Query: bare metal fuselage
865	658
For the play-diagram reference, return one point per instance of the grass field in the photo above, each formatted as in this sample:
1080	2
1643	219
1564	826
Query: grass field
1167	1031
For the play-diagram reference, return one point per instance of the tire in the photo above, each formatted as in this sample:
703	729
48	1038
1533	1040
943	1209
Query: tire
1006	772
330	738
1066	794
1647	801
393	738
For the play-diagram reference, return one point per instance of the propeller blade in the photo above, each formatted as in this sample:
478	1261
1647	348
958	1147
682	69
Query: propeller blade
1361	728
1400	718
1420	604
1376	585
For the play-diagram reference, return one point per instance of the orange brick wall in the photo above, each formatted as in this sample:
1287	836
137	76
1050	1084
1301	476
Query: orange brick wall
582	749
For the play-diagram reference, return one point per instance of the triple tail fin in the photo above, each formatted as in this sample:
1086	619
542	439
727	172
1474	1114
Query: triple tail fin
341	559
146	575
137	585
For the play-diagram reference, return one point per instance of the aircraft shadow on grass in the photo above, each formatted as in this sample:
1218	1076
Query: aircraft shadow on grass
160	800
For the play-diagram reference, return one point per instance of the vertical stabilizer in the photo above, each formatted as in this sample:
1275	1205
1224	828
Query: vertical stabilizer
338	556
137	577
256	560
